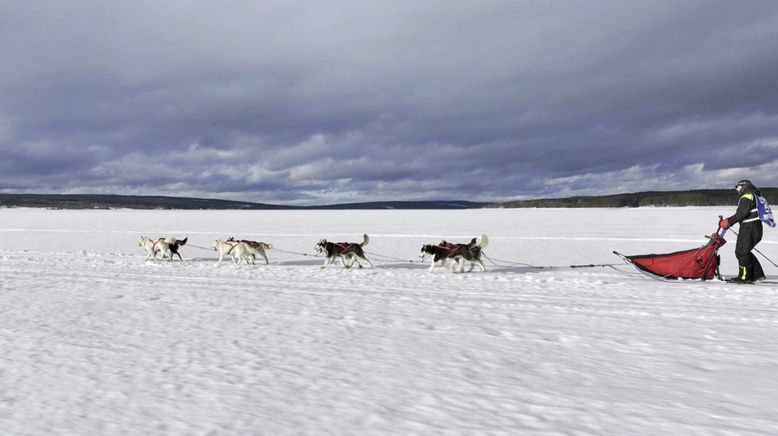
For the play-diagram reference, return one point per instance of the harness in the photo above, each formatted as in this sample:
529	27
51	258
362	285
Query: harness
451	248
154	246
343	245
232	246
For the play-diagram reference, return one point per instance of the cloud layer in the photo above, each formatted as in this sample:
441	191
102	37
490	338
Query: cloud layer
322	102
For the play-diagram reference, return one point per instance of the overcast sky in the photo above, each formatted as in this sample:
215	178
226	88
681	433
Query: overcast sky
314	102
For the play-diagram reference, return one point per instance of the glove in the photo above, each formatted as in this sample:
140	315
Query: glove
724	224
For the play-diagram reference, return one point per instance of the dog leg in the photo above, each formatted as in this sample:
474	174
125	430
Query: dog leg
368	262
459	266
327	261
265	256
443	262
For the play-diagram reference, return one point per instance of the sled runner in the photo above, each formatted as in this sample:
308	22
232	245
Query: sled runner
698	263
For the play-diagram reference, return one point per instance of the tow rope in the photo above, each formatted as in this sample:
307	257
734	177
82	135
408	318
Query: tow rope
506	263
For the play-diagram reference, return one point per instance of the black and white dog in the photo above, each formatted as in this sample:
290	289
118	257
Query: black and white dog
167	246
459	253
349	252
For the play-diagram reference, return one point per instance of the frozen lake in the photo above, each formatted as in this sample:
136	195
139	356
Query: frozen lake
97	341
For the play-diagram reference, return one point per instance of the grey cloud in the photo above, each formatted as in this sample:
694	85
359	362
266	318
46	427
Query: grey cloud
309	101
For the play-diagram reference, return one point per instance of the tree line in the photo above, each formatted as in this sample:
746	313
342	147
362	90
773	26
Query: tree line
701	197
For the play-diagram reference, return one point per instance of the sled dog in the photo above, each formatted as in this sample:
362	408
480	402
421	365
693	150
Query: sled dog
237	250
349	252
255	248
167	246
459	253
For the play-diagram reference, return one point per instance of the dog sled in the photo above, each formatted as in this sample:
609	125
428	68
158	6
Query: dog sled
697	263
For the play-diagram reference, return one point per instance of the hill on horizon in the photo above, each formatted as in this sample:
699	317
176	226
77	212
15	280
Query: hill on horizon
700	197
99	201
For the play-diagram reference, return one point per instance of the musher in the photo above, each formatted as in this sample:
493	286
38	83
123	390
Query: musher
750	234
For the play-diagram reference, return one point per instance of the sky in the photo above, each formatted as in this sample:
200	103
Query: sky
321	102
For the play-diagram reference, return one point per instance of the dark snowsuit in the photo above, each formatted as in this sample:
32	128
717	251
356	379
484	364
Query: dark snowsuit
750	235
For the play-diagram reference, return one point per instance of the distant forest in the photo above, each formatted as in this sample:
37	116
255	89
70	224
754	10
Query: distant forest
702	197
89	201
96	201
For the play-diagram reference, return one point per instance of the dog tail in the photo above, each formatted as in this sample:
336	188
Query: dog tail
365	240
484	241
173	241
183	241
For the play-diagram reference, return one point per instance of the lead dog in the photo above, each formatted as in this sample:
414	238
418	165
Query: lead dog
255	247
167	246
459	253
349	252
236	249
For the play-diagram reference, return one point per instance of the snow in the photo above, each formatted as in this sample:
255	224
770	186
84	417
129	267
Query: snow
96	341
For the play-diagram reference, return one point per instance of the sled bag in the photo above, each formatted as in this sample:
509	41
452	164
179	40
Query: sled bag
697	263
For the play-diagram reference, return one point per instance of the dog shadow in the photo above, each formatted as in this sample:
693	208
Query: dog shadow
201	259
415	266
297	262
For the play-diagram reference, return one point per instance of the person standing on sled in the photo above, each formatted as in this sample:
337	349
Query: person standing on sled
750	234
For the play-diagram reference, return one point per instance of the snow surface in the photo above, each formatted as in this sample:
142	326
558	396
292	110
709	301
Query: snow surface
95	341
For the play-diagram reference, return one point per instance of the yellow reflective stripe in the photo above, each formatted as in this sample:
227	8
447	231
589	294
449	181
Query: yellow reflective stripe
748	196
743	273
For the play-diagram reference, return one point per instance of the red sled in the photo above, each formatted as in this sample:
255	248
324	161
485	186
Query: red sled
698	263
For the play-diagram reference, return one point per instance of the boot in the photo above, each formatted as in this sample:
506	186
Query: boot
757	273
745	276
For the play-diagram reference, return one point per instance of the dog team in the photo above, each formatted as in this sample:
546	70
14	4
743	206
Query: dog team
349	253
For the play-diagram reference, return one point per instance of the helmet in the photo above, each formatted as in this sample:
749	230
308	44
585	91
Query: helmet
745	185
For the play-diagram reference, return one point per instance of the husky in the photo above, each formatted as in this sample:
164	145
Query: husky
459	253
237	250
255	248
167	246
349	252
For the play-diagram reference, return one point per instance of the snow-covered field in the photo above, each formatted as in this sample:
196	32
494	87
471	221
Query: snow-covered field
95	341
